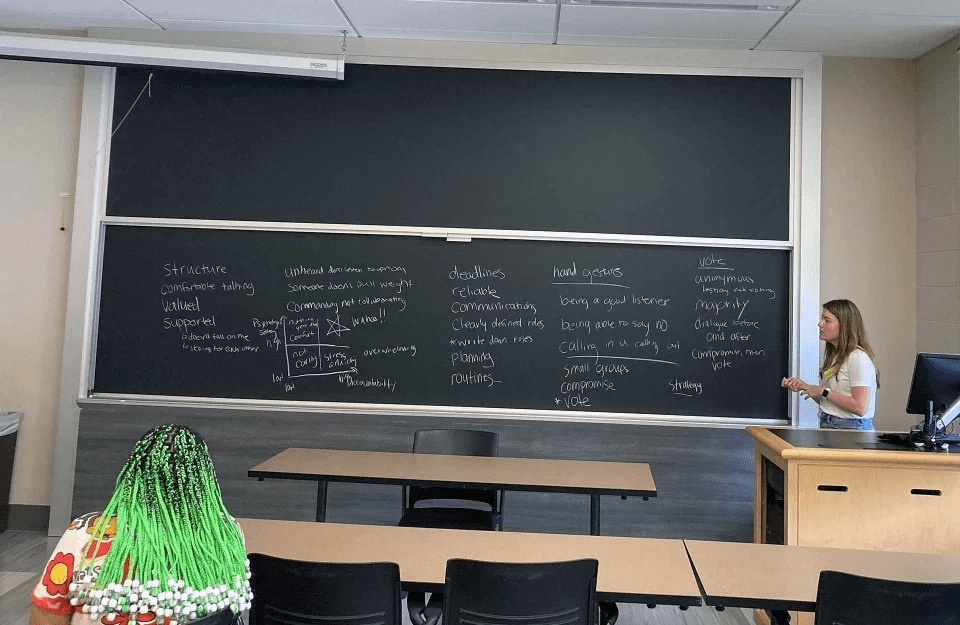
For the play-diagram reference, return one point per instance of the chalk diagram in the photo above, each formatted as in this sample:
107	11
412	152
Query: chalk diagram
308	355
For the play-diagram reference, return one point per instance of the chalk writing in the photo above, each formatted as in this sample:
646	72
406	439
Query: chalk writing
500	324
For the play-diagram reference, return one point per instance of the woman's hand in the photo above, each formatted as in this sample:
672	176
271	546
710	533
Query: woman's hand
797	385
857	403
809	391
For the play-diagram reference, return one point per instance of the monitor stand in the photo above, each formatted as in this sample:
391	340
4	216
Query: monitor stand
929	434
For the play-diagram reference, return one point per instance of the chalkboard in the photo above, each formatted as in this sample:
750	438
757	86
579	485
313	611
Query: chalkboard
541	325
695	156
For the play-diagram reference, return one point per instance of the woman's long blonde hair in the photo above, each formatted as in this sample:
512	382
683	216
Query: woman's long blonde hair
852	335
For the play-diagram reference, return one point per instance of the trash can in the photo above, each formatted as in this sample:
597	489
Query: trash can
9	426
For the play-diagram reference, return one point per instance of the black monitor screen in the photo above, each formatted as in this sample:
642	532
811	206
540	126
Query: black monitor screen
936	378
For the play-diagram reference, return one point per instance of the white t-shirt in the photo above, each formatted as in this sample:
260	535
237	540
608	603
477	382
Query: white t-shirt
858	370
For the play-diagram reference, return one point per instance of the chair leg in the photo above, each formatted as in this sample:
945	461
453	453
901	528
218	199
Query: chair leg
609	612
434	609
423	612
416	602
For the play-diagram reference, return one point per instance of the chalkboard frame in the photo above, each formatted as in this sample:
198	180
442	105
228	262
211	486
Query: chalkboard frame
405	406
805	122
89	207
394	409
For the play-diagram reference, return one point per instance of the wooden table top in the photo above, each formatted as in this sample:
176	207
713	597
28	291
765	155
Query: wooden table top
532	474
785	577
639	570
848	446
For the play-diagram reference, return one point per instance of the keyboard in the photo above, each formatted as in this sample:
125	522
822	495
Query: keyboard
909	438
896	438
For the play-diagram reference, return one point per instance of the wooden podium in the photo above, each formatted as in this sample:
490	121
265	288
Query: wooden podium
842	488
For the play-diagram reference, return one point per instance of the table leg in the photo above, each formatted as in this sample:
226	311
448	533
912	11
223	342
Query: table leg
594	515
608	609
321	501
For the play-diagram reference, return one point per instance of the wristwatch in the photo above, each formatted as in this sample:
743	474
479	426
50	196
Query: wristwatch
825	393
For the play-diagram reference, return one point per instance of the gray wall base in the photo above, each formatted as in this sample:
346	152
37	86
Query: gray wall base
27	517
704	476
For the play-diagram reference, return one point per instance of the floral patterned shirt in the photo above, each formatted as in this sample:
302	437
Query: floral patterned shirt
52	593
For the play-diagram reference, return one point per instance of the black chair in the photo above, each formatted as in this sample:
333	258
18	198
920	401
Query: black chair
847	599
543	593
449	514
220	617
292	592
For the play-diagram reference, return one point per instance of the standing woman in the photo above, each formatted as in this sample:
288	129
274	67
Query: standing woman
848	382
163	552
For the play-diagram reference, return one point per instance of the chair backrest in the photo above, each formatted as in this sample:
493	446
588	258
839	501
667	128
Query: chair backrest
540	593
457	443
220	617
847	599
292	592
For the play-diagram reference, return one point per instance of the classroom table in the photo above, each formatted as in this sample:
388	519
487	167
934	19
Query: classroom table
784	577
592	478
632	570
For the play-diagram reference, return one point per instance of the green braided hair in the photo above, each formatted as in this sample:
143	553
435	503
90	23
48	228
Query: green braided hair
177	551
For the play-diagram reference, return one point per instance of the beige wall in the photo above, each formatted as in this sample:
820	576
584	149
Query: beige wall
938	200
39	134
868	213
868	231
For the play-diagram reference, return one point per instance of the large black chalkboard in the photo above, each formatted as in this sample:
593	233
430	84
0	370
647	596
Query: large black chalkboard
697	156
410	320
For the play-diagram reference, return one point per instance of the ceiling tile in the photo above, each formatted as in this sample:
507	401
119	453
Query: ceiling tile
458	35
817	29
893	28
313	12
840	48
931	8
437	19
781	4
653	42
659	23
254	27
70	14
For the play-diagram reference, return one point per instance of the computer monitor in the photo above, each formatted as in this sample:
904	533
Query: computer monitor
935	393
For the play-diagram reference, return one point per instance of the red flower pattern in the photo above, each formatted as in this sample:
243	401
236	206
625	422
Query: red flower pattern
58	574
119	618
146	617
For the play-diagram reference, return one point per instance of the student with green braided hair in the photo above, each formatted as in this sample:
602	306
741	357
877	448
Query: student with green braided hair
164	551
